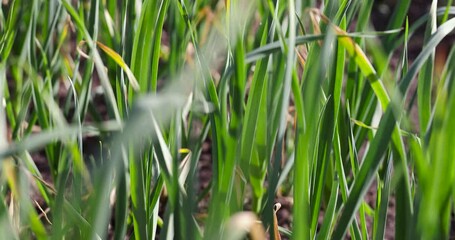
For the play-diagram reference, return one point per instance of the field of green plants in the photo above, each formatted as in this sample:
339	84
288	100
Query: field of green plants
107	108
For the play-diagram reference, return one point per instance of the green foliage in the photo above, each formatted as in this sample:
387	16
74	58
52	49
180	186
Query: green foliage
107	108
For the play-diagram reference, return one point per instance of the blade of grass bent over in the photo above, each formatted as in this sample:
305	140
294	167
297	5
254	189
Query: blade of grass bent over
118	59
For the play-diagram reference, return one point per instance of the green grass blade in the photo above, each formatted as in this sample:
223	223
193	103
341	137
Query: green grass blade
367	171
441	32
255	105
329	215
109	93
396	21
425	76
382	201
157	43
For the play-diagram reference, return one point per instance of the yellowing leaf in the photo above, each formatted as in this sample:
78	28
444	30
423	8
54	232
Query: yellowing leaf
119	60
